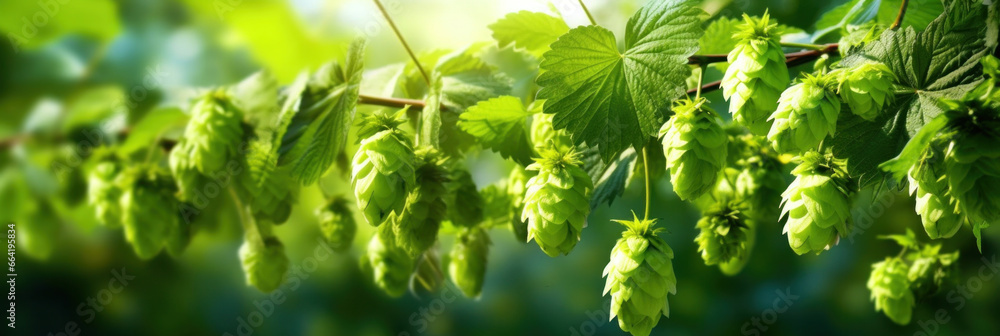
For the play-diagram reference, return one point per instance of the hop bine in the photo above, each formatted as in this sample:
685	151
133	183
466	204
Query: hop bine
639	277
468	260
807	112
817	203
337	224
890	288
756	75
694	145
557	201
383	170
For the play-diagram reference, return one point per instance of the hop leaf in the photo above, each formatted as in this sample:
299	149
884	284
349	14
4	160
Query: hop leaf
389	265
467	268
890	288
867	88
817	203
639	277
149	210
807	113
383	172
557	201
466	203
265	265
723	234
756	75
415	228
694	145
337	224
104	193
214	133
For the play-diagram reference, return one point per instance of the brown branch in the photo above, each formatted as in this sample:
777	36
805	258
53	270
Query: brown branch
899	17
791	60
390	102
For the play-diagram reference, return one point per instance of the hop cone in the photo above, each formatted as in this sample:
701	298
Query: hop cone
816	203
694	145
214	133
756	75
390	266
931	271
867	88
467	268
271	198
337	224
639	276
935	206
466	203
807	113
104	193
972	158
890	289
383	171
557	201
543	133
723	234
760	178
415	228
516	187
149	210
265	265
185	172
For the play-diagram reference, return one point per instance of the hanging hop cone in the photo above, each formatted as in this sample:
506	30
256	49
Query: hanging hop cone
416	227
723	233
389	265
817	203
972	158
467	267
694	145
890	289
931	271
543	134
264	264
930	187
557	201
760	178
756	75
516	187
383	168
270	190
466	204
185	171
867	88
214	133
149	209
337	224
807	113
639	277
104	193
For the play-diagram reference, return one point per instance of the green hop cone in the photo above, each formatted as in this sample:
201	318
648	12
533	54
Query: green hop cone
807	112
104	193
557	201
639	277
817	203
930	187
516	187
544	134
694	145
272	199
337	224
722	236
931	271
185	171
756	75
890	289
214	132
466	204
389	265
467	267
149	209
759	176
415	228
383	171
867	88
265	264
972	158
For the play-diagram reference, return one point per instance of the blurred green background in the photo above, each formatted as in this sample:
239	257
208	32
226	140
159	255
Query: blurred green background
90	54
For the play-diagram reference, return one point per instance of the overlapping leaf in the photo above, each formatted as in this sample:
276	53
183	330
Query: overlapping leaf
499	124
532	31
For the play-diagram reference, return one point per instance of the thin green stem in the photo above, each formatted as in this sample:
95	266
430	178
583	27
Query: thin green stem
899	17
645	167
804	46
701	78
402	40
585	10
152	149
250	228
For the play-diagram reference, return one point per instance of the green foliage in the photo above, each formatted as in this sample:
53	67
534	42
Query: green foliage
531	31
612	99
499	124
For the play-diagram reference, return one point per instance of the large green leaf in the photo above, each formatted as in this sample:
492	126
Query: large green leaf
499	124
611	99
532	31
151	127
318	130
19	21
939	62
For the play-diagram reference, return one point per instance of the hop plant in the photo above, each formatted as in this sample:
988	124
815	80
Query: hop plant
383	168
104	193
544	134
759	177
867	88
890	287
930	187
807	113
756	75
389	265
214	133
264	263
972	158
817	203
723	234
694	145
466	203
557	201
337	224
467	268
639	277
516	187
415	228
149	209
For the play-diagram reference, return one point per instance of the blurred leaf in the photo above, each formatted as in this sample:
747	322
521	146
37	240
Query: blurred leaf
919	13
528	30
30	24
519	65
257	97
499	124
609	179
430	116
146	132
909	240
94	105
